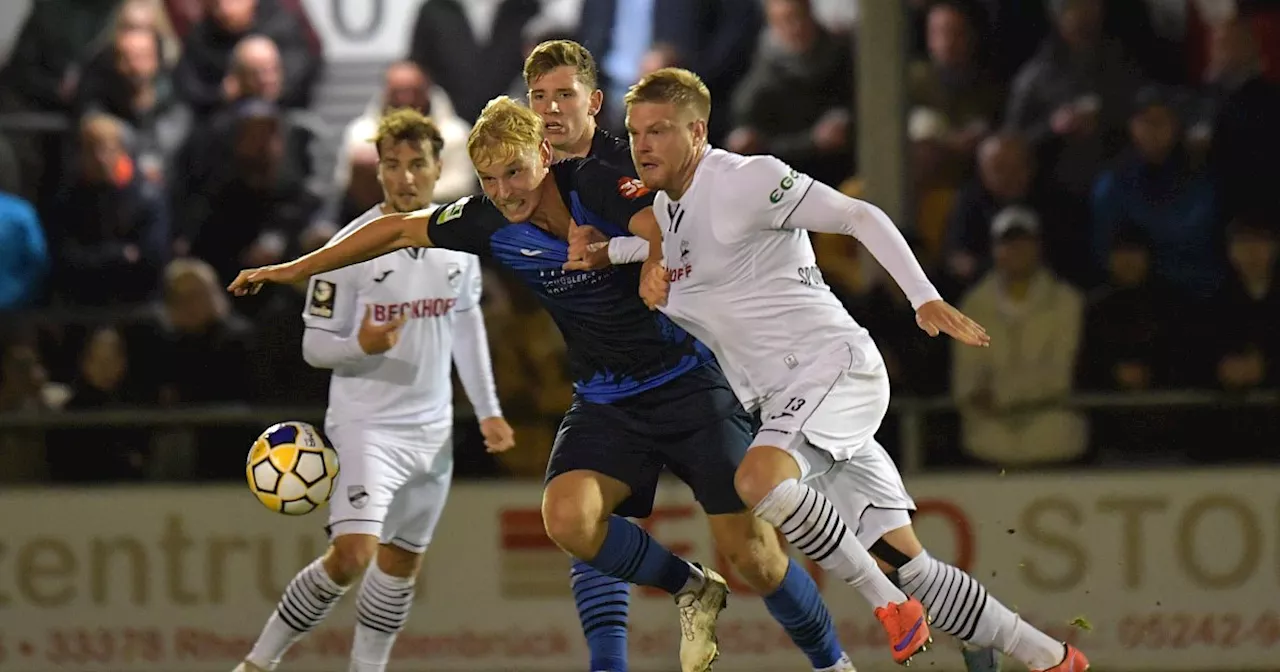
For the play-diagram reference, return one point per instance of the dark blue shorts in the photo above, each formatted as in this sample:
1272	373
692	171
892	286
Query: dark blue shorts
693	426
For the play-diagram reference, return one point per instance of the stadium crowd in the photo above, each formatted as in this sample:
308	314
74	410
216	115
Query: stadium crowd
1094	181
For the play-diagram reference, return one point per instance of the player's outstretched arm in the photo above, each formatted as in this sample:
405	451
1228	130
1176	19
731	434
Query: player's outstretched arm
797	201
475	368
380	236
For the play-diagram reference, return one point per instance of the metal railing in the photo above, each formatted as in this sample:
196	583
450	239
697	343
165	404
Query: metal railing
911	413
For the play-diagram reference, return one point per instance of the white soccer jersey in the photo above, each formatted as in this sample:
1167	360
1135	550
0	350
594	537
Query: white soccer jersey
409	384
743	282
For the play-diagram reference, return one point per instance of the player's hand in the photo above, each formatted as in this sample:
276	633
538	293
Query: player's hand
498	436
654	286
940	317
588	248
376	338
250	281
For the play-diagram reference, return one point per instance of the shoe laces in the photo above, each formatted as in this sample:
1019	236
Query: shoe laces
688	604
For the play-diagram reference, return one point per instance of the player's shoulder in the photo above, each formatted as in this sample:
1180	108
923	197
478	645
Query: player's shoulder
724	162
613	150
364	218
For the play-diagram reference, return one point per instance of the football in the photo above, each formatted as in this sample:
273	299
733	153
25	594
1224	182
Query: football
291	468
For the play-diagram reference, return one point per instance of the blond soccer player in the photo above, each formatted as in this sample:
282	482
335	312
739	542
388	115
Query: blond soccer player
740	274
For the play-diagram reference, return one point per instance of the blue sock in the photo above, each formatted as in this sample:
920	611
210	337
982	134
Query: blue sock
630	554
602	607
797	606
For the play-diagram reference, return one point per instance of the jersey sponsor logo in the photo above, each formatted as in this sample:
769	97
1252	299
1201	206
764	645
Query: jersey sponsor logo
811	276
787	182
530	253
323	295
453	210
415	310
631	188
384	275
684	269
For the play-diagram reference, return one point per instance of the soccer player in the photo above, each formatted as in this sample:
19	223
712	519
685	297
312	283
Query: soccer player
562	77
647	395
387	328
740	275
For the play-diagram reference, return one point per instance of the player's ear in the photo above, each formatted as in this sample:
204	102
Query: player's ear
699	129
594	101
545	152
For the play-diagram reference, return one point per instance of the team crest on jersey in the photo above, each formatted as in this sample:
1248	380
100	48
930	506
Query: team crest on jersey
454	273
630	188
323	294
357	495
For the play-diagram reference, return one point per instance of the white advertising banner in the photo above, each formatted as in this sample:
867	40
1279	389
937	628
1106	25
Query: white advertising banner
363	30
1172	570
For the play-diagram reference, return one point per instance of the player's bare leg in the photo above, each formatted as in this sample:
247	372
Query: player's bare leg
769	481
751	545
960	606
577	510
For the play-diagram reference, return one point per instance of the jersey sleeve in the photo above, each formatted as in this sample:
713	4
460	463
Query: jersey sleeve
332	300
610	192
472	286
465	225
765	191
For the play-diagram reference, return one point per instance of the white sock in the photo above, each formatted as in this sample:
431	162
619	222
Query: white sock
307	600
809	521
382	608
842	665
960	606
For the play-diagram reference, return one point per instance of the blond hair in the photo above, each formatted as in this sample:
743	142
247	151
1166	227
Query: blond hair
408	125
677	86
505	130
553	54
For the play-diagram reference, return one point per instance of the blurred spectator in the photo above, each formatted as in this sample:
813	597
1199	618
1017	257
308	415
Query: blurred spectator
838	17
1242	333
1007	176
198	350
1007	393
952	101
43	70
138	90
796	100
1155	186
24	255
144	15
472	49
1245	134
97	454
109	228
24	388
203	73
1072	98
406	85
1134	341
246	202
631	38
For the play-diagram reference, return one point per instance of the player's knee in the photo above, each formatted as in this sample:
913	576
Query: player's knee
570	524
398	562
751	546
349	556
763	468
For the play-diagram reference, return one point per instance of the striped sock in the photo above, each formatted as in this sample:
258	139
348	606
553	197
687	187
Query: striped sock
809	521
307	600
382	608
797	607
603	603
630	554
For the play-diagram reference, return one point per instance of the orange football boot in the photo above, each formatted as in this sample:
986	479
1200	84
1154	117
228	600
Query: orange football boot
1073	661
908	629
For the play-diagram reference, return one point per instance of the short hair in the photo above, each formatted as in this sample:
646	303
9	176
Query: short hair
677	86
553	54
504	130
408	125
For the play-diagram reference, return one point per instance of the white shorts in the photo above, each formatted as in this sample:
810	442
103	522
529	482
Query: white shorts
827	420
392	484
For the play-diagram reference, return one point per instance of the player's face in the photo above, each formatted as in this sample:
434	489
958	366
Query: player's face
665	142
565	105
408	172
515	185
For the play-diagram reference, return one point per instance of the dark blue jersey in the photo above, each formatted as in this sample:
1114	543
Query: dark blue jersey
617	346
613	151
